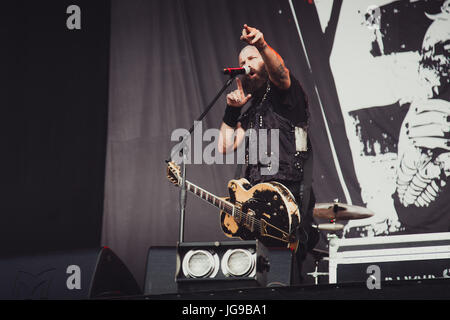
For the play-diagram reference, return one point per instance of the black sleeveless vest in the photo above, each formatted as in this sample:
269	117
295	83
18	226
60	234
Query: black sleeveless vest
261	116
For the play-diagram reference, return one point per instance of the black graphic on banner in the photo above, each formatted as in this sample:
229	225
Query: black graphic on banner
389	63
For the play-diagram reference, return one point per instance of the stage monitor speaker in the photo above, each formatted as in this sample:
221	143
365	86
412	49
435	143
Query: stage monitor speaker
80	274
160	271
161	268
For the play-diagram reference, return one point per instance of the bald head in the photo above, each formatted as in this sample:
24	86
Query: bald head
247	51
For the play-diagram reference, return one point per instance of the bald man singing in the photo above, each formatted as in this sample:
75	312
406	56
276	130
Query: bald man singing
275	100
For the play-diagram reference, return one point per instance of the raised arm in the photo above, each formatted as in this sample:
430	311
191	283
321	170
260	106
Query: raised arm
230	138
278	73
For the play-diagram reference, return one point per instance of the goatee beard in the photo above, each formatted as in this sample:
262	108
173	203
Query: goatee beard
253	85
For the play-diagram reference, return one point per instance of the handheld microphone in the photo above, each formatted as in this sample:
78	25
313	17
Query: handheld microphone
236	71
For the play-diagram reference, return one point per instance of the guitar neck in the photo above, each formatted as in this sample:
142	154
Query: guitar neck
210	198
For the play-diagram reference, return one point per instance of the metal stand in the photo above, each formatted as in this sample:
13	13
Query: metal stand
182	147
182	200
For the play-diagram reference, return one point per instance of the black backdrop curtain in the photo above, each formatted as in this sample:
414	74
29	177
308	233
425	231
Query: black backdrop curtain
165	66
54	102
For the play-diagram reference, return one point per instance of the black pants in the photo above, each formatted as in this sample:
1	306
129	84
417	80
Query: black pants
306	233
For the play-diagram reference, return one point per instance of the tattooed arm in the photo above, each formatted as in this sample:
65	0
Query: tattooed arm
278	73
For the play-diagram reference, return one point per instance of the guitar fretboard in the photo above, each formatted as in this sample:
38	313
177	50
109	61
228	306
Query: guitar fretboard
244	218
210	198
224	205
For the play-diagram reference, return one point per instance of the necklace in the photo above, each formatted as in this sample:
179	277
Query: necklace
262	101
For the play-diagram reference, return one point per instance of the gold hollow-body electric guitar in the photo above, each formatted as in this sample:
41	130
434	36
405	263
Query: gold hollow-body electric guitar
266	211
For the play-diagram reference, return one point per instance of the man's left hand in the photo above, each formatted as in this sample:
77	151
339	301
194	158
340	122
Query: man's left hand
253	37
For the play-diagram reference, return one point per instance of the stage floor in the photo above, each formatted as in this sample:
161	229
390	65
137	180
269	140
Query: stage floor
430	289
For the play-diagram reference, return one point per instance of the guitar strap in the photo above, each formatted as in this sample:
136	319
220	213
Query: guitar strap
237	173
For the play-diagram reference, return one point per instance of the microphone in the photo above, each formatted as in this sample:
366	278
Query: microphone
236	71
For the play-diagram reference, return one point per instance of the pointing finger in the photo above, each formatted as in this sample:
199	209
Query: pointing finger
432	105
249	29
429	130
244	34
239	85
428	117
432	143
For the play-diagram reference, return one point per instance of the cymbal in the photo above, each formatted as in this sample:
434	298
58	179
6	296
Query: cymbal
330	226
340	211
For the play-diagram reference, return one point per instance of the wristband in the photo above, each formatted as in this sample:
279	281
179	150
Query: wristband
231	116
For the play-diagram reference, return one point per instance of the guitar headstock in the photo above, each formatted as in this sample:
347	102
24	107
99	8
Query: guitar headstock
173	173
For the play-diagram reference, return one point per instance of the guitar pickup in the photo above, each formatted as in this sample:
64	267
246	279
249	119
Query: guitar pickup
250	220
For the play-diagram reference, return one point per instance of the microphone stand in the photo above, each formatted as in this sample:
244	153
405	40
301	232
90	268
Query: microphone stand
181	150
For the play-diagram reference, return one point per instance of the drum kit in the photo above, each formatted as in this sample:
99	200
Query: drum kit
333	212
